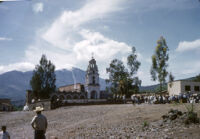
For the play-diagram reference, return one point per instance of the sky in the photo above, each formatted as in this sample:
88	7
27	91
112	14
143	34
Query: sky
68	32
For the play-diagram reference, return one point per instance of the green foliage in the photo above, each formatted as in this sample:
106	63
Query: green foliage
191	115
43	79
133	64
122	79
159	62
145	124
171	79
157	89
197	78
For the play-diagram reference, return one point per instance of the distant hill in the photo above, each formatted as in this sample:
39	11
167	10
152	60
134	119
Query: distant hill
14	84
149	88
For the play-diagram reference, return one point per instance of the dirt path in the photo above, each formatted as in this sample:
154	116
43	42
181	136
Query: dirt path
101	121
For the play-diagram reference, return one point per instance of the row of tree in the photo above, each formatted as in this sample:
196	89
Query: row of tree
122	78
123	81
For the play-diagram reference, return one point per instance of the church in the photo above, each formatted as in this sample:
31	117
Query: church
92	85
89	90
73	94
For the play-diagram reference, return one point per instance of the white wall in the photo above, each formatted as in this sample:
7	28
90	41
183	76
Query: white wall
175	88
178	87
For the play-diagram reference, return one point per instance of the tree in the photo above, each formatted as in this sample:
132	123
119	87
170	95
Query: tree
171	79
117	75
159	62
43	79
121	78
132	63
133	66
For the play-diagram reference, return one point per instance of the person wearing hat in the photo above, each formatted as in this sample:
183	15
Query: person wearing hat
39	124
4	134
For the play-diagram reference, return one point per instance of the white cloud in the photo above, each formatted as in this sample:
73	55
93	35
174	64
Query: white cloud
65	28
38	7
23	66
104	50
102	47
5	39
187	46
60	44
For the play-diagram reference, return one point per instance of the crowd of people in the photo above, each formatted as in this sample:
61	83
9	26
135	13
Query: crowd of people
162	99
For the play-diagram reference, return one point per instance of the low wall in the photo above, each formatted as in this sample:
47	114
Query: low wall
85	101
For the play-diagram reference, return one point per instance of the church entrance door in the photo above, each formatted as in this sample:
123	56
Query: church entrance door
93	95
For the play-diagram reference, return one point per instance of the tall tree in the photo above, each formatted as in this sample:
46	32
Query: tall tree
133	65
43	79
117	73
122	79
159	62
171	79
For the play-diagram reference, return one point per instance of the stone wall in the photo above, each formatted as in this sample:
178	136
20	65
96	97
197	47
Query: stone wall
85	101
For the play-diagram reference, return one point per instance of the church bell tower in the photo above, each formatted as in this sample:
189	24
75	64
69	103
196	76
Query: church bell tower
92	80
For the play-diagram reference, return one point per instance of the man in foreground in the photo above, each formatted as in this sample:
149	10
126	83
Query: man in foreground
4	134
39	124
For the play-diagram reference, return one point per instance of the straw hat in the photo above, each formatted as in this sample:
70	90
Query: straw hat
38	109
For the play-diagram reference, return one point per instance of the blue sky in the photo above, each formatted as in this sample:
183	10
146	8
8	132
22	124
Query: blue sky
68	32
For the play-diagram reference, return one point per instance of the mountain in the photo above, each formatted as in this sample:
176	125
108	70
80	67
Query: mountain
14	84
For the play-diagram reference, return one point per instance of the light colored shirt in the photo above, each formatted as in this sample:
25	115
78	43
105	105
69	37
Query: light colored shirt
40	122
4	135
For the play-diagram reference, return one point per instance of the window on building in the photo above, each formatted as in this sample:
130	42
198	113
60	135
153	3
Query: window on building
93	80
187	88
196	88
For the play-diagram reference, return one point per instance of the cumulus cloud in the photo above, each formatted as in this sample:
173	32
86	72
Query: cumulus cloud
38	7
104	50
67	41
65	28
5	39
22	66
69	44
188	45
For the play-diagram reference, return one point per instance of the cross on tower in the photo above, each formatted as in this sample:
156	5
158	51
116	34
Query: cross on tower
92	55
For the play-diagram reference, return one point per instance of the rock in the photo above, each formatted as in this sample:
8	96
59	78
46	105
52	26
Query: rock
173	117
165	116
166	130
179	113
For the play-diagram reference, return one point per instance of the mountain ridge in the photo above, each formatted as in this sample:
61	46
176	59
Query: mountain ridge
13	84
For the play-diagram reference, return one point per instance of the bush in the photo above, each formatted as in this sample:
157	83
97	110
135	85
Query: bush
191	115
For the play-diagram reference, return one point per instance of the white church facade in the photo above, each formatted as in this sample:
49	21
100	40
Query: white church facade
89	90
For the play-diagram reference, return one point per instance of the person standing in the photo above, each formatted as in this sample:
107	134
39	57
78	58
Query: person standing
4	134
39	124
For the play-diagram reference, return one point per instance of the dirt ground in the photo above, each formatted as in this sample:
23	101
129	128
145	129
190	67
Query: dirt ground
103	121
